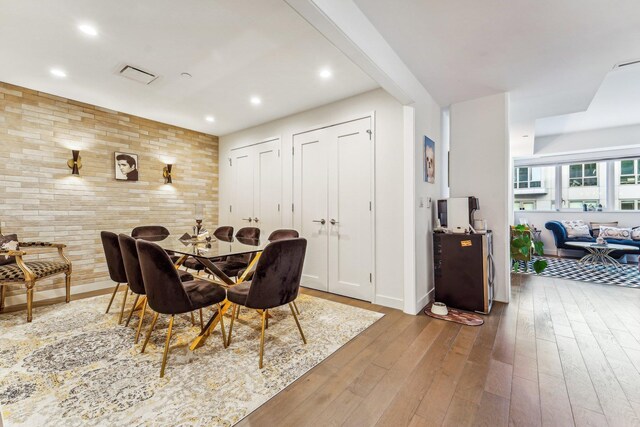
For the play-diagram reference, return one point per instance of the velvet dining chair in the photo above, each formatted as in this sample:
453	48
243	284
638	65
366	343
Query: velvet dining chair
115	265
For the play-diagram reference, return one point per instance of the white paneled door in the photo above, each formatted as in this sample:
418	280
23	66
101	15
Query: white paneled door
333	182
256	172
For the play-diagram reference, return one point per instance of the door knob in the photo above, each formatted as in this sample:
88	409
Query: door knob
247	219
255	219
334	222
321	221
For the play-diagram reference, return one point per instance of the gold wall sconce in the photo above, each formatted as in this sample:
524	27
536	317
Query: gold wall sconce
166	173
75	163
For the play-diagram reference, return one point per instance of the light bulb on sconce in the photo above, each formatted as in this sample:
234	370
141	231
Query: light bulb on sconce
166	173
75	163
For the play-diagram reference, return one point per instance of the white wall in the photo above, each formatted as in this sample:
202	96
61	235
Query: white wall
481	167
427	122
599	139
539	219
388	131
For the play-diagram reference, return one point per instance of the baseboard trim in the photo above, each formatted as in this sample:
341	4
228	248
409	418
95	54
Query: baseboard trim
50	294
390	302
422	302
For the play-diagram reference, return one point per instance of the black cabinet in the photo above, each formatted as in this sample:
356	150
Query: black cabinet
464	270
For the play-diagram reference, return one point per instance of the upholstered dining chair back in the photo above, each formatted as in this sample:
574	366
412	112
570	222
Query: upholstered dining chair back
224	233
112	253
283	234
162	284
149	231
276	280
131	263
249	233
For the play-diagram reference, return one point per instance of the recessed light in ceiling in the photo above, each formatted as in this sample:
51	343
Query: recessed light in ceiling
58	72
210	119
88	30
325	73
255	100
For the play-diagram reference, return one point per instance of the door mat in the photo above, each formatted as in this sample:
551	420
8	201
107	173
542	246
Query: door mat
457	316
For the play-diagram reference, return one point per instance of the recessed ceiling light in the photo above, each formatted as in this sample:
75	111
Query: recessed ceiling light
88	30
325	73
58	72
255	100
210	119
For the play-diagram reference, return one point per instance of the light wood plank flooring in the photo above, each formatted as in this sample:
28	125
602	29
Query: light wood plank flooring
563	353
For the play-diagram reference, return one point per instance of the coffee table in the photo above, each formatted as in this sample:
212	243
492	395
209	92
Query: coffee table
598	255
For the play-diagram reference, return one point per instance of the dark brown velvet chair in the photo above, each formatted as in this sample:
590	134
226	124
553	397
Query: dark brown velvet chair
283	234
115	264
276	282
153	233
134	277
166	294
232	265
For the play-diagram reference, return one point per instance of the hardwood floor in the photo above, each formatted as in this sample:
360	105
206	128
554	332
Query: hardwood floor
562	353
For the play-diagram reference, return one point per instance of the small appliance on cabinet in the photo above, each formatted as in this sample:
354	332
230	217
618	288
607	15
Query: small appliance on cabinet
464	270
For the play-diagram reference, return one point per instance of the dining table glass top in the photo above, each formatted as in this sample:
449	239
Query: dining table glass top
215	248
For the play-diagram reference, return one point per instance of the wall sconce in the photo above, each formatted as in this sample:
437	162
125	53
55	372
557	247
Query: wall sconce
166	173
75	164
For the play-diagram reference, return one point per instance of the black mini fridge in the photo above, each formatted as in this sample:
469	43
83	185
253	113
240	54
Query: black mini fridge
464	270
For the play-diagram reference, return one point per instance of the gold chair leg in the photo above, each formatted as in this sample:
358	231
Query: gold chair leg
296	307
224	338
193	320
124	302
115	291
201	322
144	309
304	340
153	325
29	303
2	288
166	347
67	285
234	307
133	307
264	321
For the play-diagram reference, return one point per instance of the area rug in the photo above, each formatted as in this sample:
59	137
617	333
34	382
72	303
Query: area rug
457	316
571	269
74	366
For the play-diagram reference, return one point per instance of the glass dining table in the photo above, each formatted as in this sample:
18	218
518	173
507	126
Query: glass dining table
206	252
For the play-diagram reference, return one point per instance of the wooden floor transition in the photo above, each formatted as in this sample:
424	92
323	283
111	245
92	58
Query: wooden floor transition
562	353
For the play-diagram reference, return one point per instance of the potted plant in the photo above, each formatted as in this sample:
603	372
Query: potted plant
521	246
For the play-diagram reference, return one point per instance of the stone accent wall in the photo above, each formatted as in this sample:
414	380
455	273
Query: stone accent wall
41	200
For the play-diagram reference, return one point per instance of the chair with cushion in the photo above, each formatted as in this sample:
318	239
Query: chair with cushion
283	234
166	294
15	270
134	277
233	264
276	282
153	233
115	264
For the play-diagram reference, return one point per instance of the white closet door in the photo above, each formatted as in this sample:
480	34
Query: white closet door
242	194
350	181
310	201
267	187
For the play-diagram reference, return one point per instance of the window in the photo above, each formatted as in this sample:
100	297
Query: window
525	205
627	184
527	178
583	175
584	184
630	172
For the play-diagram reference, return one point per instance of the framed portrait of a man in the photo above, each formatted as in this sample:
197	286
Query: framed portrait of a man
126	166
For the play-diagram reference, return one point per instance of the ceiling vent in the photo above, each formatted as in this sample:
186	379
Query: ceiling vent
138	75
626	63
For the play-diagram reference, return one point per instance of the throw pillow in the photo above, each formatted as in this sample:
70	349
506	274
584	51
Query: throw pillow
578	231
10	241
615	233
635	233
595	226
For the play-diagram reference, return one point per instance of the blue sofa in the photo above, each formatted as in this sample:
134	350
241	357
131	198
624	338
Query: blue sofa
561	237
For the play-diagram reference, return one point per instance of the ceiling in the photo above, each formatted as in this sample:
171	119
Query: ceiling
551	56
234	50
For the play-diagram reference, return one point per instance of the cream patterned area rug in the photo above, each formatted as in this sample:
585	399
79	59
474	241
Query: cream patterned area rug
74	366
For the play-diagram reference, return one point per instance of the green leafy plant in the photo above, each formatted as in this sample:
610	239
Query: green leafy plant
521	247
